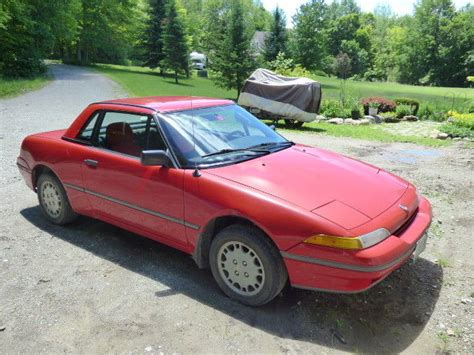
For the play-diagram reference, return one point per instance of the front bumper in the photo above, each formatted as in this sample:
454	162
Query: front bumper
347	271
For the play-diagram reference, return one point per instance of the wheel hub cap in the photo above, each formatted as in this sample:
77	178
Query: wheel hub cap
52	202
241	268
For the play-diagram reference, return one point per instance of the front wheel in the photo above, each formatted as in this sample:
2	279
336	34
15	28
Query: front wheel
53	200
246	265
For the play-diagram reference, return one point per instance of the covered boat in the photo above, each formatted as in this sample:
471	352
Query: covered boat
275	96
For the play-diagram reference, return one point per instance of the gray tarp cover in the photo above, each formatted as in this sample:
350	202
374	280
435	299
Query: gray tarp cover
296	98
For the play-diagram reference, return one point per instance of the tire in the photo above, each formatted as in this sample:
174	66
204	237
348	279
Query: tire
53	200
293	123
244	254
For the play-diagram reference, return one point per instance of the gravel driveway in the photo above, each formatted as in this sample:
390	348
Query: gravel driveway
93	288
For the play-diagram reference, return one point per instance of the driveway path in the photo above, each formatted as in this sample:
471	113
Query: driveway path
93	288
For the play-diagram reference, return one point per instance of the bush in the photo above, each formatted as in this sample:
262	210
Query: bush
465	120
414	104
428	112
320	73
456	131
384	105
388	114
403	110
333	108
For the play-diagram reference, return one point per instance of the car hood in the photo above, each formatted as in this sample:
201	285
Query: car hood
336	187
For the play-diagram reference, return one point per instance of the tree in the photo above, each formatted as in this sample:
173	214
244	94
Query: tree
426	38
342	65
232	60
154	41
309	34
175	48
276	41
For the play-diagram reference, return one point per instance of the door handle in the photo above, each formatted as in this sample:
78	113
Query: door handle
91	163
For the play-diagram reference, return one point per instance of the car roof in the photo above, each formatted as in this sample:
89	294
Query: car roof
170	103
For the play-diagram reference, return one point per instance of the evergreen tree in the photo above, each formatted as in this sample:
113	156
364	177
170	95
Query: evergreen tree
175	47
232	60
276	41
154	41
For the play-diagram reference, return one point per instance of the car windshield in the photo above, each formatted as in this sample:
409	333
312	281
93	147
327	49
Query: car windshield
219	135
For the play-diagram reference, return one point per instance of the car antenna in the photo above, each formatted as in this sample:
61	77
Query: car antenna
196	172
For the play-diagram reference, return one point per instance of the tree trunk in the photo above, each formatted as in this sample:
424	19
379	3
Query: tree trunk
176	76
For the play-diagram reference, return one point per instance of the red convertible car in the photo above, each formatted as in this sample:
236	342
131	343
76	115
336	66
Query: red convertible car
206	177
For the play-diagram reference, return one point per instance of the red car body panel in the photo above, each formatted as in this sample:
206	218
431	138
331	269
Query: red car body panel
291	195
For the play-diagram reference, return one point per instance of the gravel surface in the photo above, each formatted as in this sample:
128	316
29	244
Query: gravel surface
92	288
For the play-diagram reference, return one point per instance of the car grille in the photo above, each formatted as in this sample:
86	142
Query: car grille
405	225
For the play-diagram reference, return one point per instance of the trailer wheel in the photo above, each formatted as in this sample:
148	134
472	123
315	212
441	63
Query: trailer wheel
293	123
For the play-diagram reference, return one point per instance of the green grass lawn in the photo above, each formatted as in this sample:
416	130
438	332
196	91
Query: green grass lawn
14	87
442	97
138	81
371	133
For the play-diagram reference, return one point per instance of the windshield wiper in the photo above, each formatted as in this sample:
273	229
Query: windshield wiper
272	144
230	150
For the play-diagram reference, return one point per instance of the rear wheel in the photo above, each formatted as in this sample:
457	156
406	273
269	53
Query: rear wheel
246	265
53	200
293	123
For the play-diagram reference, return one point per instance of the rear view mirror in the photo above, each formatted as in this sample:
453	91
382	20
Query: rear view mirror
156	158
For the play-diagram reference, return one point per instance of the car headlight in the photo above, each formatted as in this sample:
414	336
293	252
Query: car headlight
361	242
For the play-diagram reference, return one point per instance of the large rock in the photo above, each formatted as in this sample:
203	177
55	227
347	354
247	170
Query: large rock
442	135
365	121
336	121
321	118
391	119
410	118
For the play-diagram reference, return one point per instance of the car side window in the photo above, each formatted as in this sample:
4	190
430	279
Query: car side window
88	130
125	133
154	139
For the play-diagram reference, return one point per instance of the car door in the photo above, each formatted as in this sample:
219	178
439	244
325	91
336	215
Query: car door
121	189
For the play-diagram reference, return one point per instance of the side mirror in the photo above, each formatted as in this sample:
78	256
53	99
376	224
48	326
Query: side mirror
156	158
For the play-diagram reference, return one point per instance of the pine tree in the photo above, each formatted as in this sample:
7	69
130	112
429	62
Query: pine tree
175	47
154	41
276	41
232	60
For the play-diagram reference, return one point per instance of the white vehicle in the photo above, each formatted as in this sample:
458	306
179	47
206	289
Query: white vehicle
198	60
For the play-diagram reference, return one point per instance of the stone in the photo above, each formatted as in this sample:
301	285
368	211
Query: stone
321	117
365	121
392	119
351	122
336	121
411	118
378	119
442	135
434	133
450	332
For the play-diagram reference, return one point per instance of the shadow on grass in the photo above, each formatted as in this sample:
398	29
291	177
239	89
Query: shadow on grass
387	318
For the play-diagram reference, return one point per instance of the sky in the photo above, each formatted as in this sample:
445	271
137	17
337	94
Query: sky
399	7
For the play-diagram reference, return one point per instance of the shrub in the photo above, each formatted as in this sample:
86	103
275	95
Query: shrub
388	114
456	131
403	110
465	120
320	73
414	104
384	105
333	108
428	112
